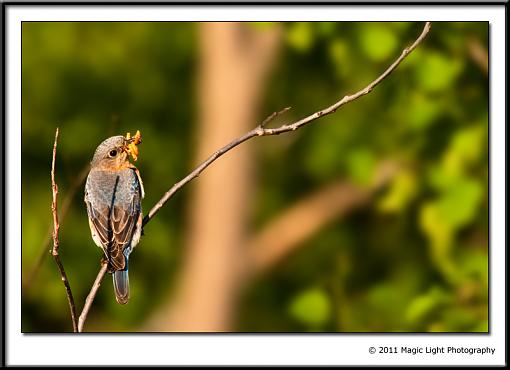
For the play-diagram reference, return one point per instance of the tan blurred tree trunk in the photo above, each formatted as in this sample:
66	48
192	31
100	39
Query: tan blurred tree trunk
235	60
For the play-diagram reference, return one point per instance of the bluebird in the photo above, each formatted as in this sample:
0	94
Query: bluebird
113	194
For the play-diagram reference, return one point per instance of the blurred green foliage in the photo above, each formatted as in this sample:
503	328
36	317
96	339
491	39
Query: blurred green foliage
415	259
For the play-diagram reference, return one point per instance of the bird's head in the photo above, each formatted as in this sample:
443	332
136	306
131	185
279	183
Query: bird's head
113	153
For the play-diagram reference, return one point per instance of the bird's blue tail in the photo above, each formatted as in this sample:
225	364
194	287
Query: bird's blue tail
121	286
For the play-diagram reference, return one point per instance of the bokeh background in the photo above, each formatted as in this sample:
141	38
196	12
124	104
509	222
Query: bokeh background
373	219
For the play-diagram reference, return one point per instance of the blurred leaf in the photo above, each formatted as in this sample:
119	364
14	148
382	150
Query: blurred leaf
425	304
300	36
380	296
443	177
339	53
402	190
468	143
377	41
311	307
466	148
436	71
326	28
475	264
324	156
458	206
441	219
361	166
422	111
439	233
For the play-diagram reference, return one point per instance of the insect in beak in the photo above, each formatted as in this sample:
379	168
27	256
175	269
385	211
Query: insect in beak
130	144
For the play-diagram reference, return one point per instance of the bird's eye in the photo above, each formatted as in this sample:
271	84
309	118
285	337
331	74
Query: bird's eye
112	153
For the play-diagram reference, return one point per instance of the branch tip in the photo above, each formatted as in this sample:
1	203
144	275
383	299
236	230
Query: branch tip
262	131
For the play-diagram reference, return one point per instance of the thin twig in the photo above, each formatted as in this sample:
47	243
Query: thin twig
68	200
262	131
54	251
273	116
92	295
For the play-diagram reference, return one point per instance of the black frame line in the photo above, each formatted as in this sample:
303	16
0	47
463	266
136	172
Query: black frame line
7	4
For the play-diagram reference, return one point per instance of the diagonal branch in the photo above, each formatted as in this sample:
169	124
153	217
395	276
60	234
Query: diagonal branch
54	251
261	130
92	295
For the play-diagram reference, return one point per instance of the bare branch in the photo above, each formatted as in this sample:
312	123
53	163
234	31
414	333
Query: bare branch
54	251
478	54
262	131
92	295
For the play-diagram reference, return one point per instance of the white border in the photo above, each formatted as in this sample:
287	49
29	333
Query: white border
248	349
